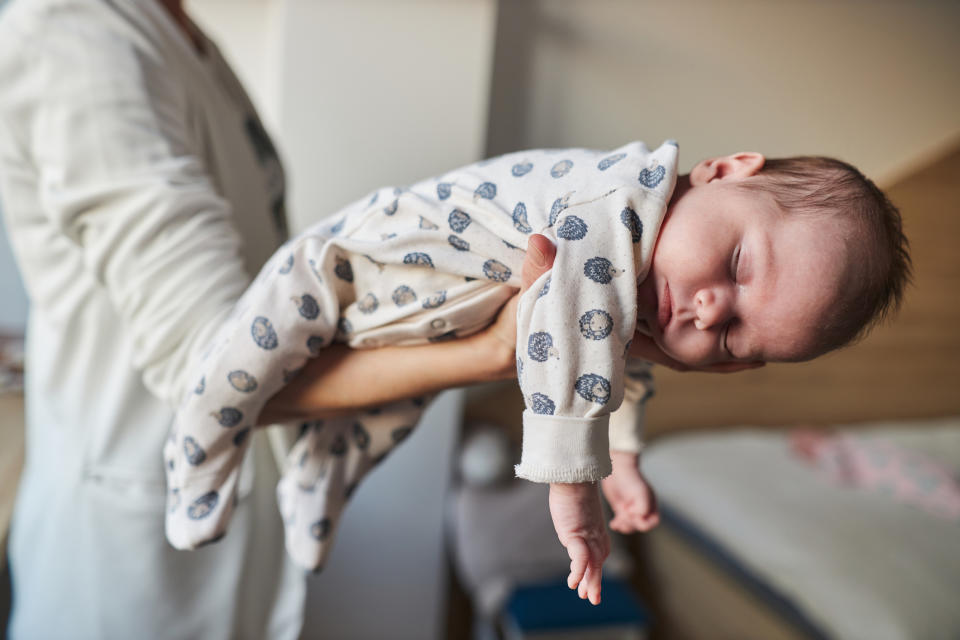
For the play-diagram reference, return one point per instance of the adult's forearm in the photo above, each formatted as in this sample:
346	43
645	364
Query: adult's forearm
342	380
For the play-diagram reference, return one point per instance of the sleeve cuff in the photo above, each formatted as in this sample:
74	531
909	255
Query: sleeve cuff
626	427
564	449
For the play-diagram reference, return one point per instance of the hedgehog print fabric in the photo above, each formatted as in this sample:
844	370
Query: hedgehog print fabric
428	262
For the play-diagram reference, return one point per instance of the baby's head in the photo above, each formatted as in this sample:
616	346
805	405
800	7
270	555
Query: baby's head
772	260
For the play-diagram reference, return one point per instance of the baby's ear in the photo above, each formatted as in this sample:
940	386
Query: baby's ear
737	166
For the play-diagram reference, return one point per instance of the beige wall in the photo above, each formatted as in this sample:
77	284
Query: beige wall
873	83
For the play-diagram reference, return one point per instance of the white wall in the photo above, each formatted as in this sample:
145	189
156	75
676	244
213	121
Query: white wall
874	83
358	95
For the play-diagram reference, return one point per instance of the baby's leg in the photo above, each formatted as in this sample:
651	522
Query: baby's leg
325	466
284	318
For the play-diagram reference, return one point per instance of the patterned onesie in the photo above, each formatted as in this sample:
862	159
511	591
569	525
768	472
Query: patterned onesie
431	262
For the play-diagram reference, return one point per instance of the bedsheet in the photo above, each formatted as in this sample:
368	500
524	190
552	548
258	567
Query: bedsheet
853	562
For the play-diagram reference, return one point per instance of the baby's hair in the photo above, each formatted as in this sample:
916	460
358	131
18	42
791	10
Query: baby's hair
819	186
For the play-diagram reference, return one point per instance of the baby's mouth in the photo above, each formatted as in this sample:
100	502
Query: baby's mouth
665	308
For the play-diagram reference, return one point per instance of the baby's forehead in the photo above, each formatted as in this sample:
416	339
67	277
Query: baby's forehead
811	274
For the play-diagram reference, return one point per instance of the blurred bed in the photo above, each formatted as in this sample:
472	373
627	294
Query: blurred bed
758	542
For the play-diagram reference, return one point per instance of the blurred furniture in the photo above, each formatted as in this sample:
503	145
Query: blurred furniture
759	543
11	461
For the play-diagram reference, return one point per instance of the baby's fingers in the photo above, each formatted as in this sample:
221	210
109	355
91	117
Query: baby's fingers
579	554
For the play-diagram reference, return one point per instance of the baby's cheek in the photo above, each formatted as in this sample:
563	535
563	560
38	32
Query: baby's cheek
692	349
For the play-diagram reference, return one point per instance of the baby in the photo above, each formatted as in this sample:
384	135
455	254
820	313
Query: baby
741	262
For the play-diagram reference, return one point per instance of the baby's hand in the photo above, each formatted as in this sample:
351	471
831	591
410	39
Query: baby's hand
578	520
631	498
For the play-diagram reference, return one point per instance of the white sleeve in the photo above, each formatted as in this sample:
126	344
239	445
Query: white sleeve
627	422
574	327
121	176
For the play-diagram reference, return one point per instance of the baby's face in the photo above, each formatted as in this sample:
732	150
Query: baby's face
733	279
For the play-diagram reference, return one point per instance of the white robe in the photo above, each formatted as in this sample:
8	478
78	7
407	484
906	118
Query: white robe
140	192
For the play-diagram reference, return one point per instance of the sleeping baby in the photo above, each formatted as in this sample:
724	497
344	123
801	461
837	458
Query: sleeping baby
743	261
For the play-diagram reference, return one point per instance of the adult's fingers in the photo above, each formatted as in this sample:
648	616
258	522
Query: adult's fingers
539	259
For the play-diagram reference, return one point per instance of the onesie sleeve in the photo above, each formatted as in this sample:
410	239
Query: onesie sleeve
627	422
121	179
574	329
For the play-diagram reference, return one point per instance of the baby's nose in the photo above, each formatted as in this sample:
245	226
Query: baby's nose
711	308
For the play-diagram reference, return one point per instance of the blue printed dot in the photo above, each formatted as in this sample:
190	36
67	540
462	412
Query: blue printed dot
228	416
487	190
344	328
596	324
519	367
263	333
540	347
307	306
600	270
496	271
373	198
201	386
314	344
542	404
287	265
320	529
561	169
368	303
338	227
631	221
193	451
572	228
173	500
558	207
593	388
443	190
418	259
520	218
203	506
427	225
651	179
314	270
391	208
241	436
458	243
360	436
242	381
521	169
343	269
546	287
435	300
459	220
403	295
609	161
